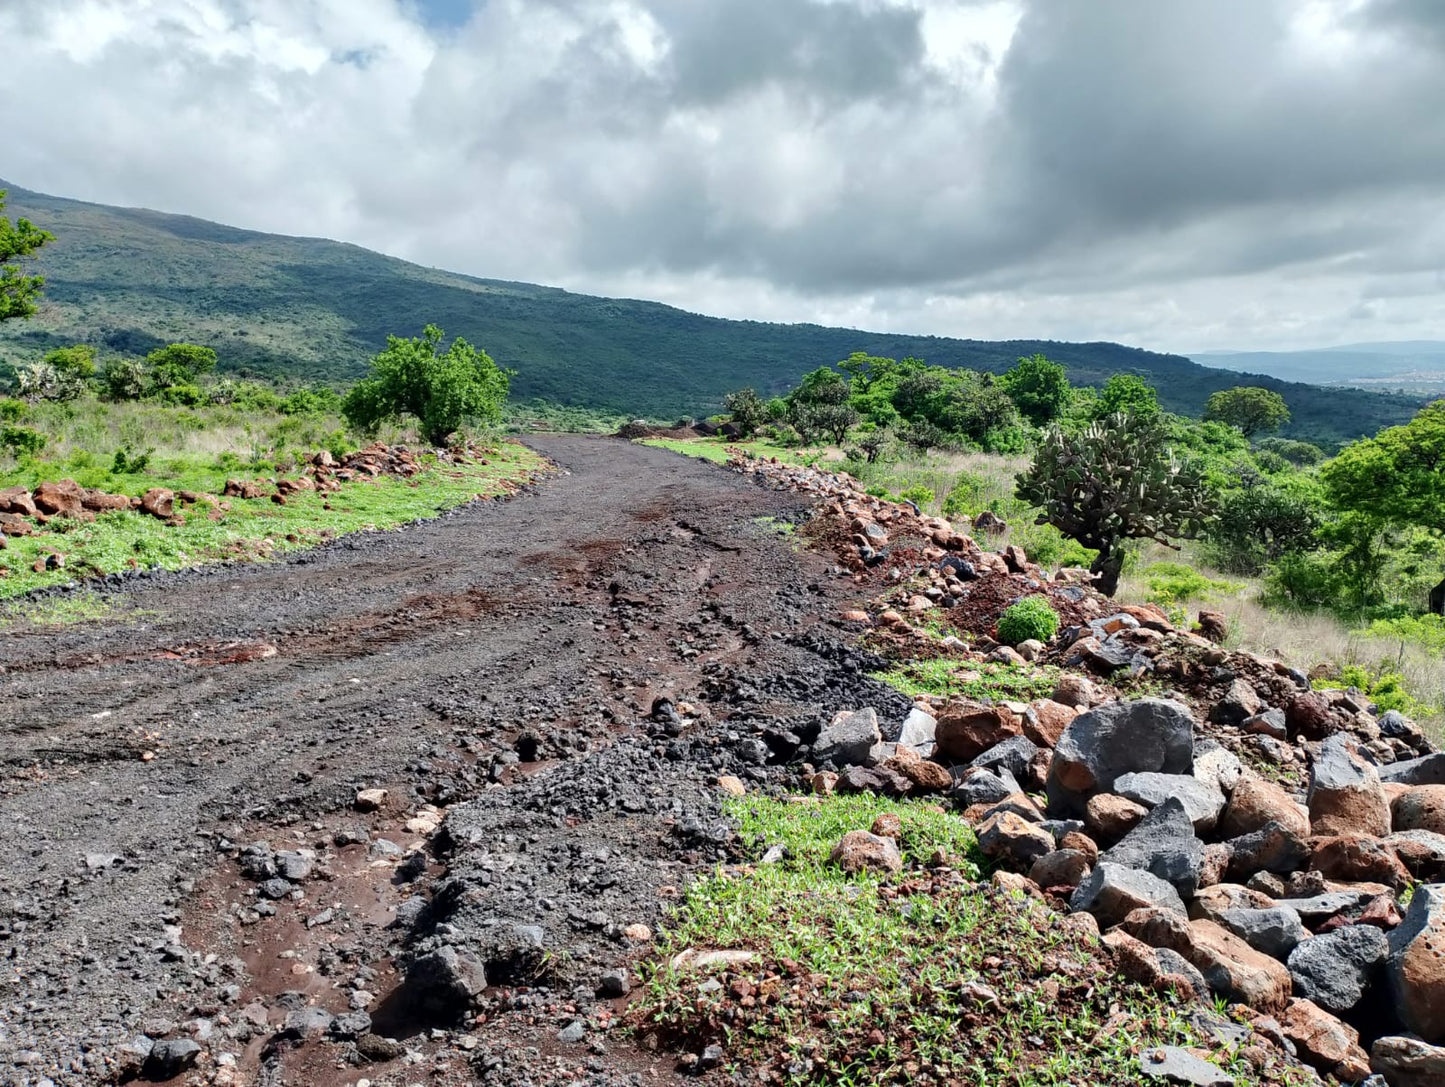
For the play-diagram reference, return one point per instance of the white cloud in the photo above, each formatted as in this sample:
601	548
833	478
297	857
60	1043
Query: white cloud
1245	173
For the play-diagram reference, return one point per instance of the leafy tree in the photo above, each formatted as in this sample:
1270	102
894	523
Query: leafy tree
873	443
747	410
441	390
178	364
1126	394
923	436
18	291
1261	522
820	406
1249	408
78	361
1398	475
1115	481
1302	454
1039	389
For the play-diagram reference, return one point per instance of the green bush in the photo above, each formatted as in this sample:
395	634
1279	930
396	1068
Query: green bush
966	497
125	462
1385	688
1031	617
1423	630
1174	583
21	441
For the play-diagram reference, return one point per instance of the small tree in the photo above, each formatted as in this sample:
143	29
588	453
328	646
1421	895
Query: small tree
1115	481
747	409
440	389
1126	394
177	365
18	291
819	406
1039	389
1249	408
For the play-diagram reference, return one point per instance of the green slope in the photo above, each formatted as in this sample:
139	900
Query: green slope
129	280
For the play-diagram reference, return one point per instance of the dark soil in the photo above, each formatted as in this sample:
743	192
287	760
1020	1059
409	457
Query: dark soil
564	675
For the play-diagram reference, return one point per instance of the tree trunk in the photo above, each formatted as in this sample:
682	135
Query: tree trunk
1106	570
1437	599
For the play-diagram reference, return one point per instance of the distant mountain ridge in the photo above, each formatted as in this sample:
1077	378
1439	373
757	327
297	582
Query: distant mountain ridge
1416	365
130	279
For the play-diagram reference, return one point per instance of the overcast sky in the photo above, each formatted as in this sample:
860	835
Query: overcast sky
1175	174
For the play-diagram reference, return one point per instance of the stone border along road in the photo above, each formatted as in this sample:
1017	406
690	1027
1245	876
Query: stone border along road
514	665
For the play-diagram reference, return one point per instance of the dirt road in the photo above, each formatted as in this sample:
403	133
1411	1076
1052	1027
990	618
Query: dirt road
513	665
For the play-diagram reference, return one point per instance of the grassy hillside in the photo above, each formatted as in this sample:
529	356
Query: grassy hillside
129	280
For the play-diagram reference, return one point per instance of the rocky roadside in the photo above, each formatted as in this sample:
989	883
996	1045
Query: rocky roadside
1238	834
473	910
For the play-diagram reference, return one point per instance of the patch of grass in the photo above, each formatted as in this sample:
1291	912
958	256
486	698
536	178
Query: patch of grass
928	978
67	610
716	449
254	529
968	679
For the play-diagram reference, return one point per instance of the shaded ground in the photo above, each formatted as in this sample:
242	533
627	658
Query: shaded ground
136	758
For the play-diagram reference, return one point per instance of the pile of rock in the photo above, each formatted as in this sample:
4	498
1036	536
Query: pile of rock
1315	910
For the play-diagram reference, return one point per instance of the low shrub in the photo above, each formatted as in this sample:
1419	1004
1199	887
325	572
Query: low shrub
1031	617
1176	583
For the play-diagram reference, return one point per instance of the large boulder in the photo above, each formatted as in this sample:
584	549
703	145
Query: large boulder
1345	795
968	729
1150	735
1202	801
919	729
1416	964
1324	1041
1334	970
1426	770
1271	848
1255	802
1111	892
17	500
1358	858
860	851
848	738
1421	851
63	499
1232	968
1274	930
1164	845
1007	836
446	982
1421	807
1408	1062
1239	703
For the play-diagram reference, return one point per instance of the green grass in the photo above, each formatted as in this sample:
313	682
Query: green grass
253	529
716	449
68	610
865	980
969	679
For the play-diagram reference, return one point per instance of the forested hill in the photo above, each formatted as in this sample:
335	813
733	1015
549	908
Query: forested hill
129	280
